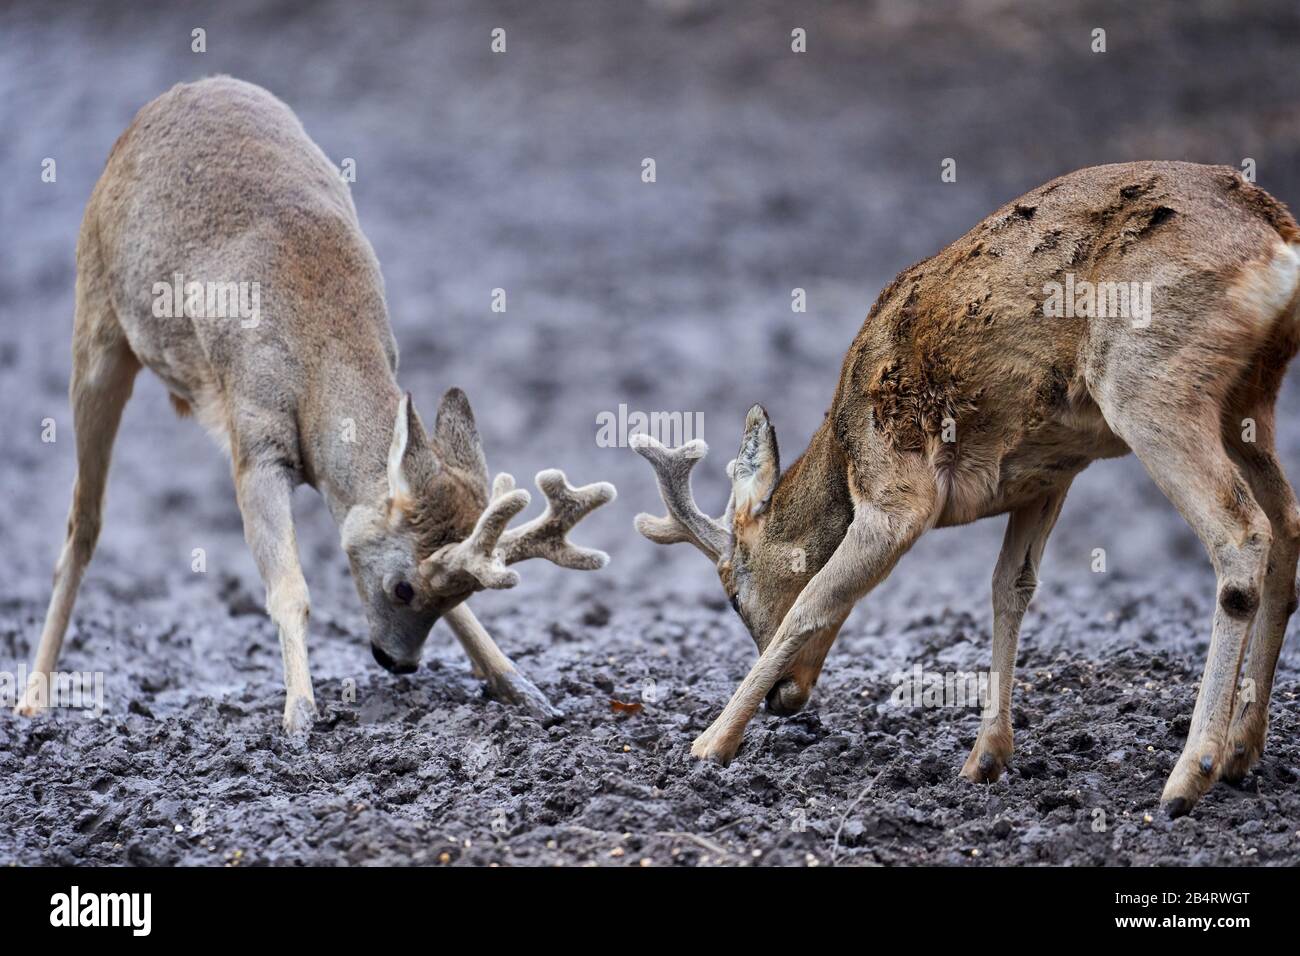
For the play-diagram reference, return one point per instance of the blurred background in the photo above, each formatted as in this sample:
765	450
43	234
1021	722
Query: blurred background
522	170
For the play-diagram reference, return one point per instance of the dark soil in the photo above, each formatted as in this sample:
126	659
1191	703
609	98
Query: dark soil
522	171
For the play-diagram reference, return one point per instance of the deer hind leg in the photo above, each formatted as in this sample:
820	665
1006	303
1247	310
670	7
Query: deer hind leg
1014	580
1176	435
263	491
103	375
1273	492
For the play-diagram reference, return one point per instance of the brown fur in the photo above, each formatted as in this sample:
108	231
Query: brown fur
959	346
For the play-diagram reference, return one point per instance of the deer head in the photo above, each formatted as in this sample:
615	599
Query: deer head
756	554
439	534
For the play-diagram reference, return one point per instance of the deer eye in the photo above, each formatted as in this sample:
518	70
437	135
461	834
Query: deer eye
735	603
404	592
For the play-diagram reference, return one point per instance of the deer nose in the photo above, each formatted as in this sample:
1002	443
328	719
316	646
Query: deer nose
786	698
390	665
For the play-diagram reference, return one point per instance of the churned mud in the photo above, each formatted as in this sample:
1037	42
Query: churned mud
522	171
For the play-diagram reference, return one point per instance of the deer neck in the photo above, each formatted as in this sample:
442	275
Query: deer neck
347	428
811	507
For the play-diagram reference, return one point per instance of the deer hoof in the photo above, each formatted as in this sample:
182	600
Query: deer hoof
512	687
299	715
34	697
1245	745
990	756
709	746
984	766
1194	774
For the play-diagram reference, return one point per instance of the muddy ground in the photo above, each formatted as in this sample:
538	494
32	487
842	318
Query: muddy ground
522	171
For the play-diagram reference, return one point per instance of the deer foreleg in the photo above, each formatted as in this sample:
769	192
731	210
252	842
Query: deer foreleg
873	544
263	491
490	665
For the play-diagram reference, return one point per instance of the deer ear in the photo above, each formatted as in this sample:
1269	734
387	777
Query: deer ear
757	467
457	435
408	438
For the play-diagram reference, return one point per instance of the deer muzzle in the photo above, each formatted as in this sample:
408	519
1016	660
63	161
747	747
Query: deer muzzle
787	697
385	661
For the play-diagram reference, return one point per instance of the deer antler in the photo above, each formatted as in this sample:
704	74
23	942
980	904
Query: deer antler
546	535
480	560
477	562
684	521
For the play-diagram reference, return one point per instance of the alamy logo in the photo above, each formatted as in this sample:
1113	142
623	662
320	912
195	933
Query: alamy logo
670	429
1103	300
75	908
73	690
208	300
931	689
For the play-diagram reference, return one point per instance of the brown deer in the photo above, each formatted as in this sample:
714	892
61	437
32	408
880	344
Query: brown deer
970	392
218	183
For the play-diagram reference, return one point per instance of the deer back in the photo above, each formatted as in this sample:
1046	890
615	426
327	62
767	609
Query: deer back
216	182
966	341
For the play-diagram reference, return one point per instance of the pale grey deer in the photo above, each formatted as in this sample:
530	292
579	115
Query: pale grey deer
216	183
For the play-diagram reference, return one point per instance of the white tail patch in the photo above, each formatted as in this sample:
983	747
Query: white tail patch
1265	290
1294	249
